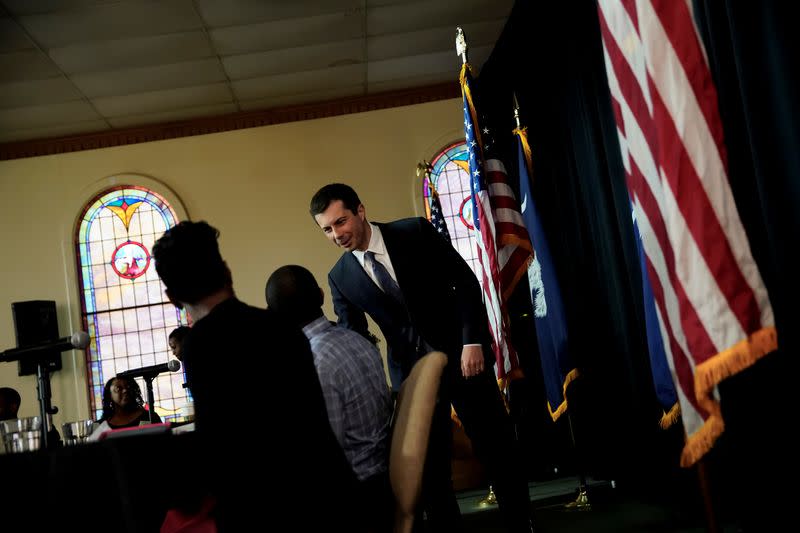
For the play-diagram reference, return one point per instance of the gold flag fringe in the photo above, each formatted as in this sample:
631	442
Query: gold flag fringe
709	373
562	408
522	133
670	417
731	361
462	78
702	441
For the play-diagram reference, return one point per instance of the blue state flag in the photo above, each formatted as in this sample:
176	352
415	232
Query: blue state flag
548	307
662	374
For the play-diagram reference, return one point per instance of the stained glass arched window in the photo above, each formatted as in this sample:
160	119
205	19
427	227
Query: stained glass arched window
125	310
450	177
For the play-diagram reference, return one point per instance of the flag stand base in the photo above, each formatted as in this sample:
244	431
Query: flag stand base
581	503
490	499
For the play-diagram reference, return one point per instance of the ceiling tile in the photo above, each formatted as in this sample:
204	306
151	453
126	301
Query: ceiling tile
148	61
72	128
130	53
286	33
111	21
12	37
37	92
27	7
46	115
432	14
144	79
431	40
294	59
314	80
235	12
163	101
171	116
26	65
303	97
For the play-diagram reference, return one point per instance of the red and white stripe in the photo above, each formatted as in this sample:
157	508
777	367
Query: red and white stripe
708	290
513	241
503	256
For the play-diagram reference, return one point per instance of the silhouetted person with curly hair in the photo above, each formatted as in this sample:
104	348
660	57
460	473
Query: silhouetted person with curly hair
248	368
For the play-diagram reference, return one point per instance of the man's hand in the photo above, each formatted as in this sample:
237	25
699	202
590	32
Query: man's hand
471	360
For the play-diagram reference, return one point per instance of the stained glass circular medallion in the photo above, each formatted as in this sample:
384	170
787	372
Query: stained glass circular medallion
130	260
465	213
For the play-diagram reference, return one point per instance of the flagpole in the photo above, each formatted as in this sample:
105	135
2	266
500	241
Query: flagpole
712	525
581	503
461	50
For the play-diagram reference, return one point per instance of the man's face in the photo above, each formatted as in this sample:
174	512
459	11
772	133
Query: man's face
343	227
176	348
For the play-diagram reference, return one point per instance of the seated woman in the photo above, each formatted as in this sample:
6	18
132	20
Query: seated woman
123	407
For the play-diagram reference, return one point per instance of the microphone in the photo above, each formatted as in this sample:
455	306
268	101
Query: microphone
78	340
170	366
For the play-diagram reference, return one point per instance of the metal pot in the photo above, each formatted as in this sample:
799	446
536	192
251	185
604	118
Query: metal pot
76	432
22	441
32	423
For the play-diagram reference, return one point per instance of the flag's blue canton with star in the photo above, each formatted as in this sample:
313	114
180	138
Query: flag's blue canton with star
476	182
437	217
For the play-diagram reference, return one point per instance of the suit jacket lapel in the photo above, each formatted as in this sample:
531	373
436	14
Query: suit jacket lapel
399	255
360	283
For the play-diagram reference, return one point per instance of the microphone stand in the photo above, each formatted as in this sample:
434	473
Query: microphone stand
43	393
148	382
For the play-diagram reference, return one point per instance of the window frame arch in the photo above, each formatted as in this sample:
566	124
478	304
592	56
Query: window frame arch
453	154
161	199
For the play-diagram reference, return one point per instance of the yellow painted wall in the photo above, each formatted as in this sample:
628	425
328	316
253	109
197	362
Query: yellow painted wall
254	185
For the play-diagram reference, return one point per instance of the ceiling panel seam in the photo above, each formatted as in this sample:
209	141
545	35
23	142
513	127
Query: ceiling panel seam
228	84
63	74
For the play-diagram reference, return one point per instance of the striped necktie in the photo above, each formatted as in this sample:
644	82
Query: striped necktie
385	280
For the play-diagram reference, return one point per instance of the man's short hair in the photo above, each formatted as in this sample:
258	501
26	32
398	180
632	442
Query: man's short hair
179	333
189	263
293	292
11	396
332	192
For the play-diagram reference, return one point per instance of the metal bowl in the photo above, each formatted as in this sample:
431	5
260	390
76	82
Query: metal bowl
76	432
22	441
32	423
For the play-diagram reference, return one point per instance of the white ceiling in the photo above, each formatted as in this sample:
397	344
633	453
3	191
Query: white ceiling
77	66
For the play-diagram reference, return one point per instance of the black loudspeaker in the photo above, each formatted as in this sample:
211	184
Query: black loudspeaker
35	322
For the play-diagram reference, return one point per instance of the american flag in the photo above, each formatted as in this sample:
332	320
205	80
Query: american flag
712	306
437	217
502	240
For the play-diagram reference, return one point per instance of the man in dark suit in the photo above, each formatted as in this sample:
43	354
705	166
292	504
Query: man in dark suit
424	297
247	368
